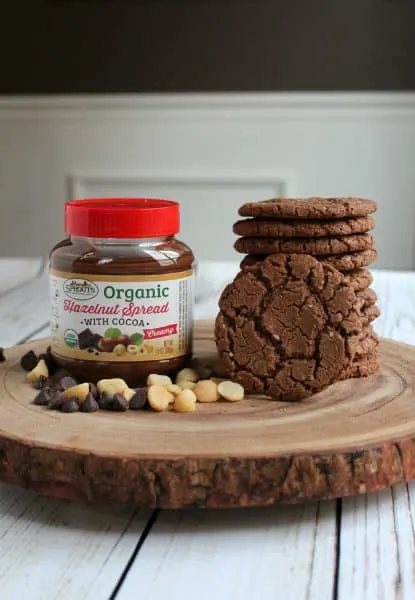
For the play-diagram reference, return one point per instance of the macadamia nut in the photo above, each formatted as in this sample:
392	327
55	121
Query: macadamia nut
206	391
187	374
155	379
159	398
185	401
174	389
185	384
231	391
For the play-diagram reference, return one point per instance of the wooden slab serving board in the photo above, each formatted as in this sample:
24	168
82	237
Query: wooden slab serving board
357	436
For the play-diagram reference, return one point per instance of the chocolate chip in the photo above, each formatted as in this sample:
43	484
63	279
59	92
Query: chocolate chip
60	373
85	338
139	400
67	382
88	340
52	386
40	383
43	398
29	361
90	350
71	405
105	402
2	357
93	390
90	404
56	400
49	360
119	403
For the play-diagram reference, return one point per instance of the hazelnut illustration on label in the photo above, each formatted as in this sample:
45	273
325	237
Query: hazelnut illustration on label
113	318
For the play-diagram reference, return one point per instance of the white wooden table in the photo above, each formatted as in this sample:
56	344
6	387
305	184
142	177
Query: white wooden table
353	549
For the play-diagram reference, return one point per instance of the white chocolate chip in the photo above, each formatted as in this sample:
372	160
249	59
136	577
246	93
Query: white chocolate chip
185	401
155	379
80	391
231	391
159	398
206	391
188	375
132	349
41	370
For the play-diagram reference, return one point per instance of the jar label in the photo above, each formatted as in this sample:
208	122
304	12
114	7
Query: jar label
119	318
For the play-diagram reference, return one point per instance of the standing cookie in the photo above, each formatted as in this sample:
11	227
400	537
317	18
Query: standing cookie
284	327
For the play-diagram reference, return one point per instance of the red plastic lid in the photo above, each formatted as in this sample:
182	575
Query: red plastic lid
122	217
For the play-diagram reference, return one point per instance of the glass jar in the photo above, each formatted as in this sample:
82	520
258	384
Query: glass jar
121	290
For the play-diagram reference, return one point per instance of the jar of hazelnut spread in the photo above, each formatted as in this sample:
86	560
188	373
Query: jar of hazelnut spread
121	290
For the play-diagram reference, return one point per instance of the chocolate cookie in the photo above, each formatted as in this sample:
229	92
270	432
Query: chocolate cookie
285	228
315	247
364	348
288	327
370	313
359	280
362	343
364	367
368	297
351	262
309	208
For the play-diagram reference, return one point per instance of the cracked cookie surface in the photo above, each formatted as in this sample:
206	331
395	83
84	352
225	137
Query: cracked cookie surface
288	327
284	228
358	279
315	247
351	262
368	297
309	208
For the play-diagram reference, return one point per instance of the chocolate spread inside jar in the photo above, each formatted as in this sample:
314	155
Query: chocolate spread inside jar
121	290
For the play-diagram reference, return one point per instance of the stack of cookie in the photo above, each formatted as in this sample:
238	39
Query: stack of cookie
306	260
333	230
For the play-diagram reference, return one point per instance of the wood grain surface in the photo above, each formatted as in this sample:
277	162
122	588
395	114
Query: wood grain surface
357	436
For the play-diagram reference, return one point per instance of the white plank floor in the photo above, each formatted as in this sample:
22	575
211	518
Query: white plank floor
281	552
360	548
55	549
